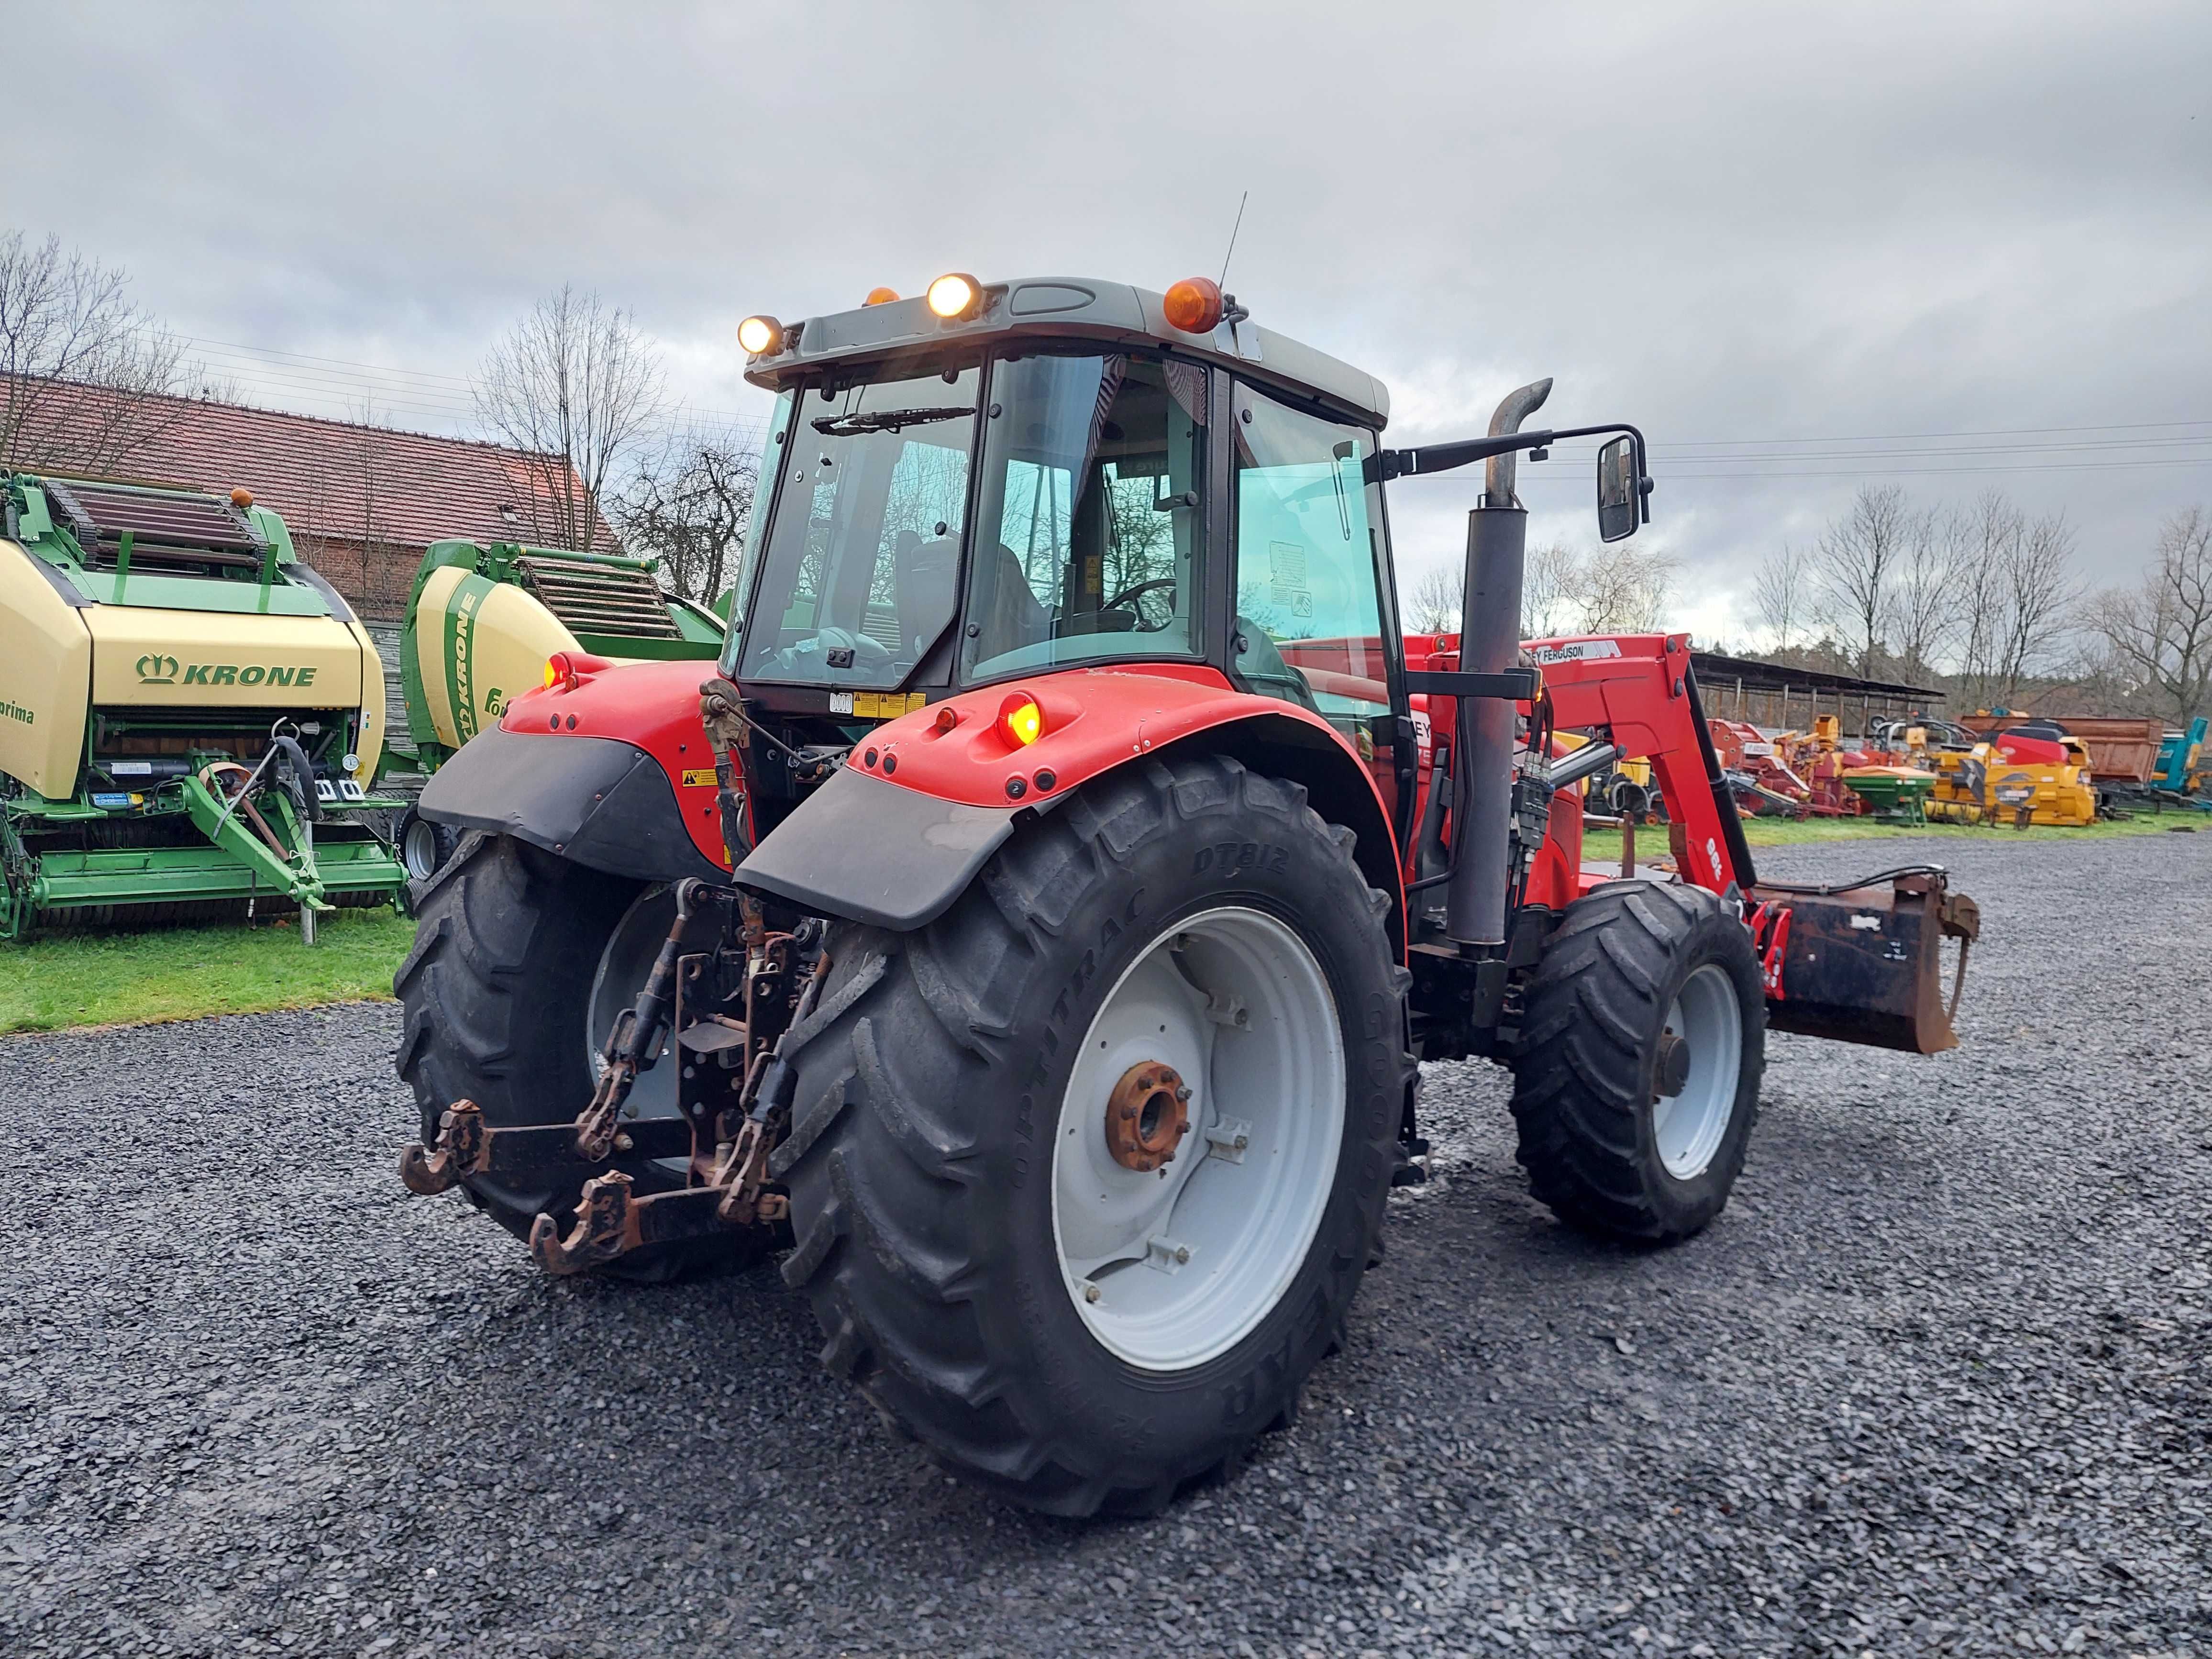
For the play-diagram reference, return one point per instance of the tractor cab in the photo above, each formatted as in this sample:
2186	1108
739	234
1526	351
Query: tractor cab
1067	473
1060	477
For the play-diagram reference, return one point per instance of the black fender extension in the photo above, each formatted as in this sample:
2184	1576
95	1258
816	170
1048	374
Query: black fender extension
599	802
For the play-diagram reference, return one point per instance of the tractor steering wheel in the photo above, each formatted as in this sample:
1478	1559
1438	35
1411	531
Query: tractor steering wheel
1131	595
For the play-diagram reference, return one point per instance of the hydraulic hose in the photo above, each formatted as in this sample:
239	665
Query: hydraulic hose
1829	890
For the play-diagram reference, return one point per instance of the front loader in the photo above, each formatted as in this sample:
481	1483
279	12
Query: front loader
1034	926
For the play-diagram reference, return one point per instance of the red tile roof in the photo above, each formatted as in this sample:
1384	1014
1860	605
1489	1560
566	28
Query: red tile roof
333	479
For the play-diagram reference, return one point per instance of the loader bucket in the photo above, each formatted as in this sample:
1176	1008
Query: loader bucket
1865	965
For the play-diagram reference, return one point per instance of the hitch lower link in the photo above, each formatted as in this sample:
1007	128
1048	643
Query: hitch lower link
727	1150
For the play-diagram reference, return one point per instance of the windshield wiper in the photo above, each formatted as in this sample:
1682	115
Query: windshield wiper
884	420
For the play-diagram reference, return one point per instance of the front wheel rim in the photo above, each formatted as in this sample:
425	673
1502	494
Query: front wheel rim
1690	1125
1170	1266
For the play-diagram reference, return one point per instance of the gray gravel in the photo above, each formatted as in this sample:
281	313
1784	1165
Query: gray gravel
1940	1378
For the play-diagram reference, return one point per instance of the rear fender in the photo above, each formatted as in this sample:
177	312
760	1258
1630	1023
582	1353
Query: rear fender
613	773
878	855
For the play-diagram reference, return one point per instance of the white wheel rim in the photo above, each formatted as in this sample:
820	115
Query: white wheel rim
1690	1127
420	850
1235	1001
625	963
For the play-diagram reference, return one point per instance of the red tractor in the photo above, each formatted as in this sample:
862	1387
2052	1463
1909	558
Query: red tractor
1035	926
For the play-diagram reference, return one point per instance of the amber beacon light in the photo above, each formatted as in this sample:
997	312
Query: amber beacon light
1193	305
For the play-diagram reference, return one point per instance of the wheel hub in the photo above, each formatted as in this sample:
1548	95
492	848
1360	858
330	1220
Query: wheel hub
1674	1069
1147	1116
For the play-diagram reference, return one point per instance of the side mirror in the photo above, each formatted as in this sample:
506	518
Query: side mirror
1619	490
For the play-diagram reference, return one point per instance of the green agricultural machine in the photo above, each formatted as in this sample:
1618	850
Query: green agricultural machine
482	621
190	718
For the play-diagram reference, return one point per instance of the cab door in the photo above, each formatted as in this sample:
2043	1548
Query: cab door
1314	621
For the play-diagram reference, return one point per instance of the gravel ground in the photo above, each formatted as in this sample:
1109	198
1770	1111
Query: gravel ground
1940	1379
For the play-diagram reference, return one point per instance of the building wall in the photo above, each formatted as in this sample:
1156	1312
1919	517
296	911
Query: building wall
1792	707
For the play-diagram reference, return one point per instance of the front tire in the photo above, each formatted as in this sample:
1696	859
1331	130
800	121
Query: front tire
951	1115
1643	1041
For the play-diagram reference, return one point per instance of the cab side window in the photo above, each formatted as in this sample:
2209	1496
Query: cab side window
1308	566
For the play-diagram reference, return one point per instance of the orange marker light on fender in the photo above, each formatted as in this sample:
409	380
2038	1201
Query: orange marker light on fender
1193	305
570	669
1021	722
880	296
955	295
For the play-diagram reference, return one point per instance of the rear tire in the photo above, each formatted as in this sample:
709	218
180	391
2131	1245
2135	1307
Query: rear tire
497	992
1604	1148
927	1195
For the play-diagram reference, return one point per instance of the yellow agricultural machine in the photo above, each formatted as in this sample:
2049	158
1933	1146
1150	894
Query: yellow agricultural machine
482	621
189	716
2015	778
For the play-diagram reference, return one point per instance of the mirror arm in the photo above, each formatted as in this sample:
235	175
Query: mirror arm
1387	464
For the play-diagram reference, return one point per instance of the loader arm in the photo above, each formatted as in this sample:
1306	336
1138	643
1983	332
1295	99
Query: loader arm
1639	687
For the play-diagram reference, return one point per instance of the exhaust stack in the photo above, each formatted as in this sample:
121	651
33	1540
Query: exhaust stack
1490	643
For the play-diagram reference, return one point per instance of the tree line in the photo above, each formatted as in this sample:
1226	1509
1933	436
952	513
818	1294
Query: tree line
1985	602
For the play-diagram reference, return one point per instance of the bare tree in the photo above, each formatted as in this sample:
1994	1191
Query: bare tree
575	386
1622	588
1859	560
2159	634
1989	536
689	505
342	526
1551	582
2037	595
85	377
1781	591
1434	605
1922	608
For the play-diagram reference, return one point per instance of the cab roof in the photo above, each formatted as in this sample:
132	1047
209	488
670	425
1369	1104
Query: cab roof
1068	309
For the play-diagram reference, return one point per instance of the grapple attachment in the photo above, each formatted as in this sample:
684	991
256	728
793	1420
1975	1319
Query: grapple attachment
1865	965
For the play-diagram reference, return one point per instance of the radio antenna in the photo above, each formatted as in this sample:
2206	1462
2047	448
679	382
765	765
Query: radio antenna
1233	229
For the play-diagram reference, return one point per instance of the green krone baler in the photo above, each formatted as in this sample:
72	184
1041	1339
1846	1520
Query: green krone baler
483	620
190	718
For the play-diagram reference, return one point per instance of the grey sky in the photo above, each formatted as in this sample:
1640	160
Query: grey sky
1731	224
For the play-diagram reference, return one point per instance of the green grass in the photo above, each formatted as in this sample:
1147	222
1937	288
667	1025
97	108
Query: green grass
139	978
1602	846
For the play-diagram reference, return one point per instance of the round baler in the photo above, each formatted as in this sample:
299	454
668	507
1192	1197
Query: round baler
190	718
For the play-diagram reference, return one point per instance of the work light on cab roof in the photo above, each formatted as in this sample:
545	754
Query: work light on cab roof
760	335
955	295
